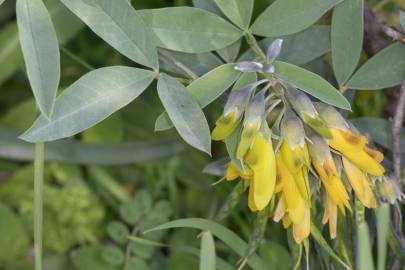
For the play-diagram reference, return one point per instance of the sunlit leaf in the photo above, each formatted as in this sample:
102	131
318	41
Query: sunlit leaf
120	26
311	83
385	69
185	113
89	100
286	17
189	29
347	38
41	52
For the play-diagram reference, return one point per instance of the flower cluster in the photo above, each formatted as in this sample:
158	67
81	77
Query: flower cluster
316	149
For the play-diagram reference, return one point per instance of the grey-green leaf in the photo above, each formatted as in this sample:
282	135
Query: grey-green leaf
231	239
299	48
310	83
372	76
41	52
402	19
90	100
383	226
119	24
207	252
185	113
238	11
189	29
204	90
286	17
347	38
364	253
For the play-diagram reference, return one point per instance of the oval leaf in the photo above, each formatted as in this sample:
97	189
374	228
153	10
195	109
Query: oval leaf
372	76
238	11
90	100
347	38
204	90
224	234
41	52
299	48
207	252
120	26
311	83
185	113
286	17
189	29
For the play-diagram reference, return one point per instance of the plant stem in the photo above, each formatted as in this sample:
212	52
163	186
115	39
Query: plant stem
38	202
77	59
251	40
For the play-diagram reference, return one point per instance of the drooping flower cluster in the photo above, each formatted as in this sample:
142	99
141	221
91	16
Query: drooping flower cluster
315	147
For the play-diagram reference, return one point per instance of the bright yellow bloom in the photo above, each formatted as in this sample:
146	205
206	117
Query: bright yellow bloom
233	172
247	138
353	146
302	230
294	202
225	125
325	166
360	183
330	215
261	161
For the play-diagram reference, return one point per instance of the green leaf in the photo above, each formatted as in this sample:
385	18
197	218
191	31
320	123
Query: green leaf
227	236
230	53
89	257
188	29
118	232
364	254
311	83
299	48
205	90
2	1
372	76
317	235
120	26
285	17
347	38
111	130
15	242
238	11
275	255
11	59
137	264
185	113
383	226
76	152
207	252
402	19
41	52
90	100
208	5
112	255
379	129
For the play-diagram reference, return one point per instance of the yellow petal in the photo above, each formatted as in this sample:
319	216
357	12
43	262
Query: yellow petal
377	155
301	179
286	221
331	210
251	202
232	172
279	212
365	162
360	183
302	230
295	204
247	138
346	140
225	125
318	125
293	159
261	160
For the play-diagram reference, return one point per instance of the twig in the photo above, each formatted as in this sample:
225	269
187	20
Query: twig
38	203
396	133
172	61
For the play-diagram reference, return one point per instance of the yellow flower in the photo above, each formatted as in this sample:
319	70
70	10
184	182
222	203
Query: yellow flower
360	183
294	202
261	161
325	166
233	172
353	146
225	125
302	230
330	215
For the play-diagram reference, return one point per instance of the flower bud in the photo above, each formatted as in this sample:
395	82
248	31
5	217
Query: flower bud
389	190
302	104
249	66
